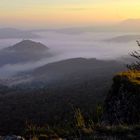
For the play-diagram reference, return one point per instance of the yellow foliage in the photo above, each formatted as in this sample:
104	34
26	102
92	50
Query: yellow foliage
132	76
80	122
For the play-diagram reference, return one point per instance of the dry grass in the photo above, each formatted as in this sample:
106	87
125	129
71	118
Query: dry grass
133	76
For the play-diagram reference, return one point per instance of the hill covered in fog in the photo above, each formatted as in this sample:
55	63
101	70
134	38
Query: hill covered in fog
123	38
24	51
75	69
67	72
27	46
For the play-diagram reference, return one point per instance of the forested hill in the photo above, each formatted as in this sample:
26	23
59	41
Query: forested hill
83	83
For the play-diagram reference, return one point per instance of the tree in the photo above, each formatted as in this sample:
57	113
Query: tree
135	54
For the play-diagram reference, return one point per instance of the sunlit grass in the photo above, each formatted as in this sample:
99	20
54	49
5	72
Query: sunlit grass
132	76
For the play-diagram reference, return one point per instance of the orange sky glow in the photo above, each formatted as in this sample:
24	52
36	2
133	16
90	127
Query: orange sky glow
54	14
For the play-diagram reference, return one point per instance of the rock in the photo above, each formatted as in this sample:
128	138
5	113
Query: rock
13	137
122	105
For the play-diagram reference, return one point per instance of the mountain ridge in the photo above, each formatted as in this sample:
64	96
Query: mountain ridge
13	33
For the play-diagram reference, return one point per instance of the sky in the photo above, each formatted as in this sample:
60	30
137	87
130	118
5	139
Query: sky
65	13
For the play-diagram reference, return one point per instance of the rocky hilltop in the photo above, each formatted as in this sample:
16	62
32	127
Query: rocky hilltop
122	105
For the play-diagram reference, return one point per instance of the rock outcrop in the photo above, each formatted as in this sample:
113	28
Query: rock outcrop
122	105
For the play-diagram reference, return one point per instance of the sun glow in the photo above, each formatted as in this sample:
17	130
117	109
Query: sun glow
54	14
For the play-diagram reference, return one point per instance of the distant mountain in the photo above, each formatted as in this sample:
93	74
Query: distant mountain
123	38
71	71
76	69
9	33
24	51
27	45
129	25
131	22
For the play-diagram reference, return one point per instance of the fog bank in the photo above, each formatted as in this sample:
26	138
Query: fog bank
65	46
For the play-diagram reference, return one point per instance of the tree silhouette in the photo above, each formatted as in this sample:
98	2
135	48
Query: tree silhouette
135	54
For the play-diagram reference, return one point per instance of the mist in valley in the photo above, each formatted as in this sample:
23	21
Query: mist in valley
99	45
